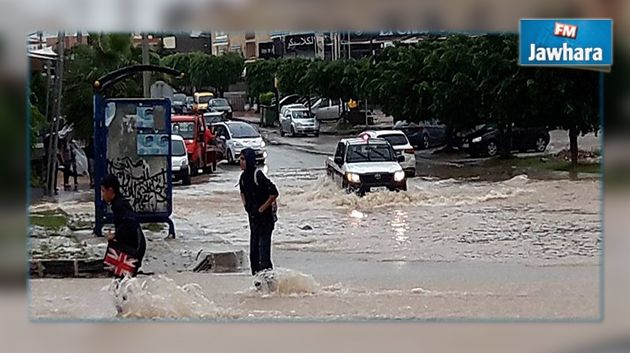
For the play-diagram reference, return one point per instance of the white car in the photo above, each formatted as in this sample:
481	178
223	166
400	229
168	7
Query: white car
179	160
401	145
364	164
234	136
298	121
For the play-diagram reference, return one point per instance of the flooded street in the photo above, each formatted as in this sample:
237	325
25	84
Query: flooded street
445	249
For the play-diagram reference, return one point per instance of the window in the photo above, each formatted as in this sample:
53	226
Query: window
185	129
341	148
395	139
178	148
243	130
370	153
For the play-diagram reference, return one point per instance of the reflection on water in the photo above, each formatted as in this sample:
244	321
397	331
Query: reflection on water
400	227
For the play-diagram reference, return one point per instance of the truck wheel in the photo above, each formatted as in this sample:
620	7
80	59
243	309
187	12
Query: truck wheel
281	131
194	168
186	178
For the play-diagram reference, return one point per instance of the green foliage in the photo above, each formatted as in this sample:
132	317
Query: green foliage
260	77
265	98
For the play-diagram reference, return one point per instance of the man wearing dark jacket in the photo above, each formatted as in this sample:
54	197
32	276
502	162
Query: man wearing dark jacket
128	236
259	195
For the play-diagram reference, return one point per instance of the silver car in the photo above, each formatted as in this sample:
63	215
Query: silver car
298	121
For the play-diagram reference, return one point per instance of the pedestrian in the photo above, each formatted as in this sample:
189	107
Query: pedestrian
127	240
259	195
66	162
89	153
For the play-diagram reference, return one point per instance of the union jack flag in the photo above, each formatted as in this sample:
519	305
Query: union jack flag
120	263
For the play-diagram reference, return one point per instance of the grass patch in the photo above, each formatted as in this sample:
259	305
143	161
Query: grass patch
154	227
49	221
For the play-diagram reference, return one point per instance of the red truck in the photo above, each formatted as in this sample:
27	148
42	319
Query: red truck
199	141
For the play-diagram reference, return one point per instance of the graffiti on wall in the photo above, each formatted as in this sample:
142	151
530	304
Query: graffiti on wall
146	192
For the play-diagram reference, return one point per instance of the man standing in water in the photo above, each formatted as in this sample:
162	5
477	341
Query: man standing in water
259	195
128	239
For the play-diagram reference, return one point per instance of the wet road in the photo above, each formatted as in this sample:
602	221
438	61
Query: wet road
443	249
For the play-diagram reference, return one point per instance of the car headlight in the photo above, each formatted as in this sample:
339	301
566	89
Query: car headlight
476	139
263	144
353	178
184	163
238	145
399	175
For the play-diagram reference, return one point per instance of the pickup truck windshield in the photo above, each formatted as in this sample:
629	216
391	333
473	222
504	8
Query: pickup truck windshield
185	129
369	153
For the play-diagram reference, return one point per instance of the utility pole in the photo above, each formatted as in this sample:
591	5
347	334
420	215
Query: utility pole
146	75
51	176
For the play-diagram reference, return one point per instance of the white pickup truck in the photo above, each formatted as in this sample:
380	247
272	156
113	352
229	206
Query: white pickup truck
366	164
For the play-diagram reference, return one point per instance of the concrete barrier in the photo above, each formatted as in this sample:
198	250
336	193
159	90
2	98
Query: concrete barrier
220	262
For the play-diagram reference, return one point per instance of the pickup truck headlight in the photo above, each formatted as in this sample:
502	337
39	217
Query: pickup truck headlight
399	176
476	139
353	178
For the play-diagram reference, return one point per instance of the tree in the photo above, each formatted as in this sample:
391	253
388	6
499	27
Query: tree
87	62
260	77
181	63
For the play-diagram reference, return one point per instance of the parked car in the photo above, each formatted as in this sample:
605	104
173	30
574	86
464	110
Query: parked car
179	160
220	105
486	140
298	121
401	146
326	109
189	104
366	164
179	103
423	136
234	136
202	153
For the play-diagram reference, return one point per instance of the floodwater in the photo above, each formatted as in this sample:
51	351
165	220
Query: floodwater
457	249
533	222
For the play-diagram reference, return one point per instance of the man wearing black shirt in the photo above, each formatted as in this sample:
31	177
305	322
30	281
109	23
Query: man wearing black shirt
128	236
258	194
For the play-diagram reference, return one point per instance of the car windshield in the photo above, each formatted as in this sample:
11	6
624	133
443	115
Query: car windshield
243	131
369	153
301	114
395	139
185	129
179	98
211	119
204	99
220	102
178	148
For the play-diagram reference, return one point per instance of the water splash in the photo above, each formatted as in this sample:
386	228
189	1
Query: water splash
284	282
162	298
